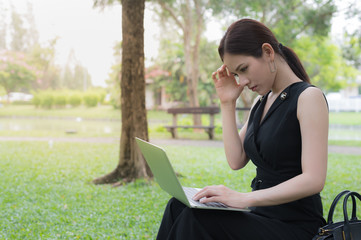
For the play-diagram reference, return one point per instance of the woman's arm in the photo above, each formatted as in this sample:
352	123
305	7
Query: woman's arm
232	140
228	90
312	114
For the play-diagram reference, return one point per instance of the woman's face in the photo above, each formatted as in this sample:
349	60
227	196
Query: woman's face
255	71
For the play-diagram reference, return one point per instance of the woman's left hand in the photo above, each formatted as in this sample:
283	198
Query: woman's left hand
223	195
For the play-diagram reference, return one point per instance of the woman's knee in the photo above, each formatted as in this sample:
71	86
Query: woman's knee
174	208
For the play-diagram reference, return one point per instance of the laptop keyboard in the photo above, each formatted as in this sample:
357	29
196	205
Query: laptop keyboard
190	192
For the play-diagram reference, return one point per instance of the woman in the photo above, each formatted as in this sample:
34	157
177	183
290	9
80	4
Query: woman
285	137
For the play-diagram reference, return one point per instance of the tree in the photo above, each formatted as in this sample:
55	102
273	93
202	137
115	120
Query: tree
18	40
131	164
189	17
75	76
287	18
42	58
352	36
171	59
3	26
324	63
15	72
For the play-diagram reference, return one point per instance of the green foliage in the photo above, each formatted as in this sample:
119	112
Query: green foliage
75	99
36	100
42	58
60	100
324	63
91	99
47	100
100	92
2	90
209	62
43	99
288	19
172	75
15	72
352	50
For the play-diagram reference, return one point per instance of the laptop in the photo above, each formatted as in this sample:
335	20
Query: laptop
164	174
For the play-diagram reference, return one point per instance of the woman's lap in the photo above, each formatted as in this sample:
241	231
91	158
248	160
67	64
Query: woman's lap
181	222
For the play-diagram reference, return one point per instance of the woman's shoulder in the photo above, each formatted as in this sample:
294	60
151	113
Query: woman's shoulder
312	100
312	93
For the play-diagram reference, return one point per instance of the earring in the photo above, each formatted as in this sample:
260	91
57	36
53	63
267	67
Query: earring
272	68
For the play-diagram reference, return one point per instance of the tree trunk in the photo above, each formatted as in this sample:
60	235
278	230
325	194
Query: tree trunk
192	74
192	28
134	116
191	34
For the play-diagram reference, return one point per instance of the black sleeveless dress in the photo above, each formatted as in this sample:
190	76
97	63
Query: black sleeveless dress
274	146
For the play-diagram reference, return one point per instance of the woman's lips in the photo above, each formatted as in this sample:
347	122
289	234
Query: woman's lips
253	88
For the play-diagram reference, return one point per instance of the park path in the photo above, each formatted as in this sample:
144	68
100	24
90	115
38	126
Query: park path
164	142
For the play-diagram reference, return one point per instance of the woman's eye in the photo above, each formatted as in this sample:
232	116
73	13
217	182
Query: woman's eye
244	69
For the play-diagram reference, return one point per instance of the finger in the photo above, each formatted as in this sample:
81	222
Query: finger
214	76
201	193
205	193
222	71
226	70
223	67
210	199
198	195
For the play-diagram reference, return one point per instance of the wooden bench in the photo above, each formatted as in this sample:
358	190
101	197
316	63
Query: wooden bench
190	110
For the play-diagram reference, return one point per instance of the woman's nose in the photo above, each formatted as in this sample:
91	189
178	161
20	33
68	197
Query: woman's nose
244	81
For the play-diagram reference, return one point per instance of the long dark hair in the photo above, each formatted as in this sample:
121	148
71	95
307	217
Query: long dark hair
246	37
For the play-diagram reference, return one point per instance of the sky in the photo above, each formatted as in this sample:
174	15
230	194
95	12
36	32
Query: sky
92	33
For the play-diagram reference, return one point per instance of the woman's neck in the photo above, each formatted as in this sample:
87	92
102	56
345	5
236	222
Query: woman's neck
284	76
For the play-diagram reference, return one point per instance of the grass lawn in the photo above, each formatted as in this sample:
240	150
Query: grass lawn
105	121
345	118
45	191
108	112
103	112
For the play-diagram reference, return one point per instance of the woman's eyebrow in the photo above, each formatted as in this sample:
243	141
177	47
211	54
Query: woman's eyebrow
238	67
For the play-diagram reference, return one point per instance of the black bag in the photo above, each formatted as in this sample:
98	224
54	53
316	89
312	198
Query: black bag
349	229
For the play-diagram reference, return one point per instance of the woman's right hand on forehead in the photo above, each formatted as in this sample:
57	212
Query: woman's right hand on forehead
227	87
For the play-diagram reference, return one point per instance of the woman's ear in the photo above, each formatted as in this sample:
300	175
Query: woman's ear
267	51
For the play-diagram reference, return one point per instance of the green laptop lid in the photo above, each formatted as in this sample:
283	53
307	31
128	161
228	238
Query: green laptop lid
162	170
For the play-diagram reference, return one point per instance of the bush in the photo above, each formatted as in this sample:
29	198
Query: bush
60	99
36	100
75	99
47	100
101	95
21	102
91	99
